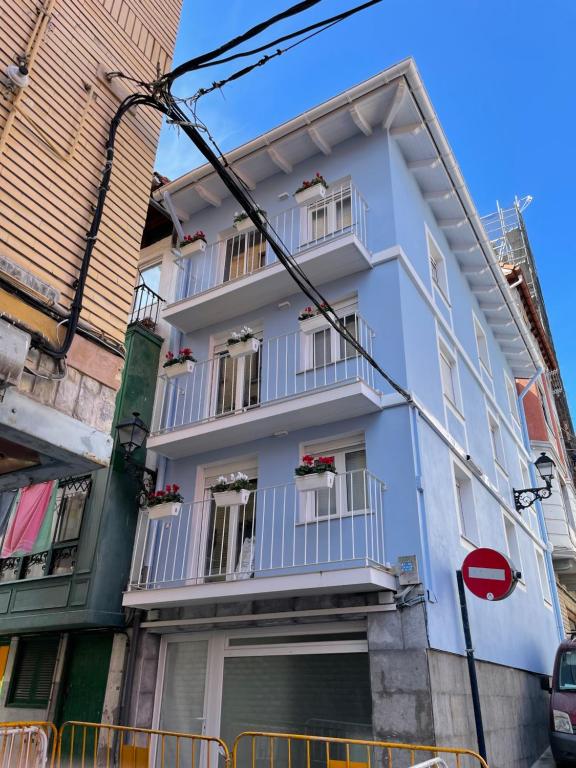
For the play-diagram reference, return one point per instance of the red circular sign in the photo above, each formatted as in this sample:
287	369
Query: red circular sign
489	574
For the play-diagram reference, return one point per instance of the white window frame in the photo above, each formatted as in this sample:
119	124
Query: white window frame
542	397
337	447
338	191
482	341
512	543
465	505
436	257
543	576
446	354
216	346
512	398
496	439
342	309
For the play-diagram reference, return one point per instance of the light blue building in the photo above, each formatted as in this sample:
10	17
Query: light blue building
285	612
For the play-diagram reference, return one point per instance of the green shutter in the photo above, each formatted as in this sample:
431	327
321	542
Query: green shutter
33	672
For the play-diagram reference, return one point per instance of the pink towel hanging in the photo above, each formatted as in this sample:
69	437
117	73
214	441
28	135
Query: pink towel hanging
27	521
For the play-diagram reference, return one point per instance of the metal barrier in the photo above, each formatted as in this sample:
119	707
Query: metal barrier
27	745
254	749
98	745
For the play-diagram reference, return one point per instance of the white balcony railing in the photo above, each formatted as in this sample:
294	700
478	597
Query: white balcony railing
342	212
280	531
285	366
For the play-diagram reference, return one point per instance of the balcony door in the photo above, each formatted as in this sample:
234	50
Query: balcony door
229	535
237	385
349	494
244	253
328	217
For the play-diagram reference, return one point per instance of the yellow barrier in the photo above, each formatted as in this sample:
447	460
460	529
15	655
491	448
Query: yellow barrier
27	744
254	749
97	745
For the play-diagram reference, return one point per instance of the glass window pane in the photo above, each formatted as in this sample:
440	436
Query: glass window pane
343	212
251	388
318	222
183	696
356	490
346	349
226	395
447	371
567	671
322	350
151	277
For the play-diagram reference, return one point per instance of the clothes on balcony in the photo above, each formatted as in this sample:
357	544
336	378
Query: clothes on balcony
26	524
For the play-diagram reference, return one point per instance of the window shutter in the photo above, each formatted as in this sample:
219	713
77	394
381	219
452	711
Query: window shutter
33	672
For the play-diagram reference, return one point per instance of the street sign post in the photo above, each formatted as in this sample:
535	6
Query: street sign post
489	575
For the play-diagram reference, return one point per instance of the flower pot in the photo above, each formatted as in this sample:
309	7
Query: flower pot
178	369
311	194
189	249
316	481
244	348
312	324
247	223
231	498
168	509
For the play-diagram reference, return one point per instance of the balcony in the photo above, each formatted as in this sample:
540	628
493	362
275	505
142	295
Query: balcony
281	543
293	381
327	238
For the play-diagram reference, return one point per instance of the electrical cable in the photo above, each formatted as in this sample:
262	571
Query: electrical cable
284	257
329	22
195	63
91	235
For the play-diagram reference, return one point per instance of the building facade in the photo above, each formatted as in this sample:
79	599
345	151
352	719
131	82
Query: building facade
548	426
57	101
265	611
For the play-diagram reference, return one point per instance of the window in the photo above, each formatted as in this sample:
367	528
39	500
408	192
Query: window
512	398
545	586
328	217
567	671
54	550
511	534
482	345
150	276
349	493
496	441
33	672
545	408
465	505
448	374
437	267
325	346
567	504
237	381
244	253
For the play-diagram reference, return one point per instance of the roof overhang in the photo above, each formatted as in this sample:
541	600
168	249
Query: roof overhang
396	101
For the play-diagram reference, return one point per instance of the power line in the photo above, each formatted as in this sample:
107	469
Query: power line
283	255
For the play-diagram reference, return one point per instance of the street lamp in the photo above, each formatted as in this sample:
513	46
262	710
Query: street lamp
525	497
132	433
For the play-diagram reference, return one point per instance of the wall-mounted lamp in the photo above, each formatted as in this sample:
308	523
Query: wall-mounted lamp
132	433
525	497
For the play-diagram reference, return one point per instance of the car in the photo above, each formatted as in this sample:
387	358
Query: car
563	705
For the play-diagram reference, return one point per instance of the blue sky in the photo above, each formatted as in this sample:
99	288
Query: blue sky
500	75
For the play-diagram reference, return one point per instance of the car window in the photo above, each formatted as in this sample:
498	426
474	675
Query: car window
567	672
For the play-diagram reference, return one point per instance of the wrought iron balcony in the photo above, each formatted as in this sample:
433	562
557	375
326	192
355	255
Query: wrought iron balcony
328	238
296	380
280	532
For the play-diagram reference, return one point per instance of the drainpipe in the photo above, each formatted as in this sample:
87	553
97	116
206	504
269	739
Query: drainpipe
422	519
540	511
128	682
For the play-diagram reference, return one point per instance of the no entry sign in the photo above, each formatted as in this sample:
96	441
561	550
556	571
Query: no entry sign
489	574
